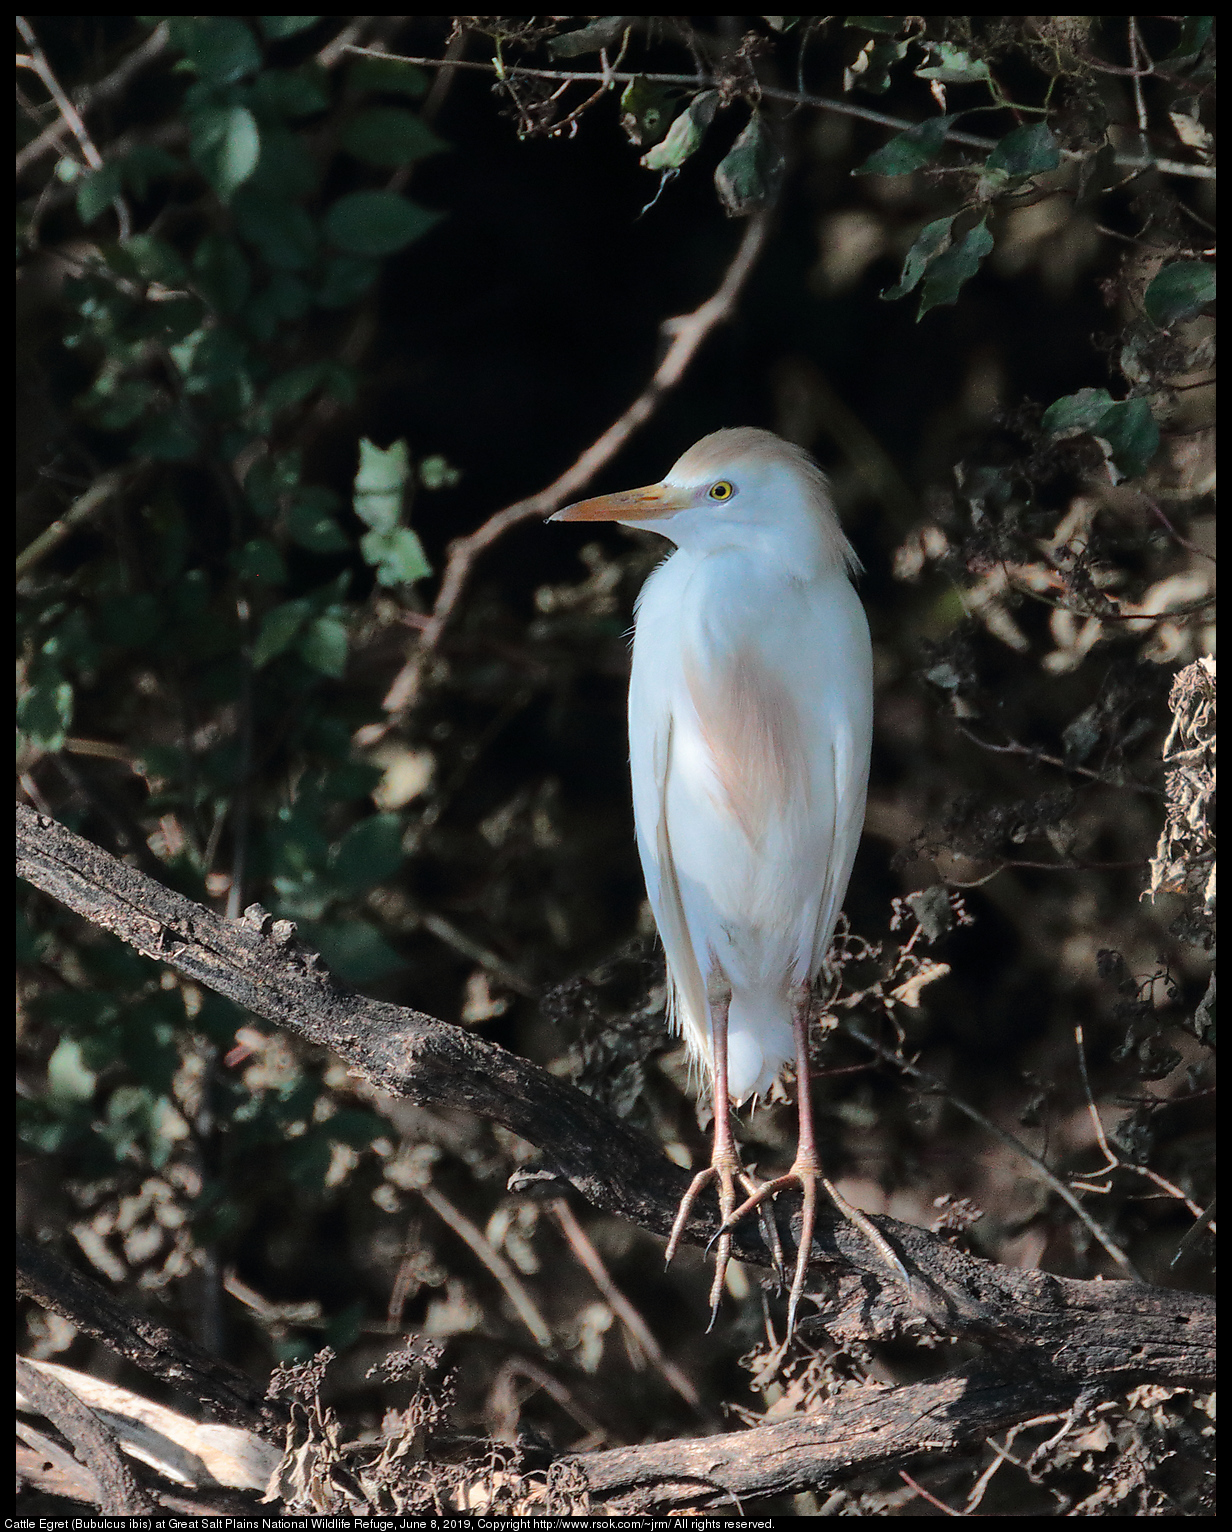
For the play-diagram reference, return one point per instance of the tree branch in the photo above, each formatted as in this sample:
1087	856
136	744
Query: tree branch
1112	1331
226	1391
119	1494
686	334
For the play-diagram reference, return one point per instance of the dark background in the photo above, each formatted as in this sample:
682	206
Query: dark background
506	339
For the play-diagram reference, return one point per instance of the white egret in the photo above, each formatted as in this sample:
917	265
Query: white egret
750	722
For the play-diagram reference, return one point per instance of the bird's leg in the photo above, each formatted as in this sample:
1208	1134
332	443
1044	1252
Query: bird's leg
724	1167
806	1174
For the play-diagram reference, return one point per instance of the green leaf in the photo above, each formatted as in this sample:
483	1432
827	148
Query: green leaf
281	231
1194	32
436	472
222	273
347	278
323	646
953	267
286	170
279	629
290	388
1077	413
685	134
1130	430
146	258
377	223
260	562
167	438
311	524
97	191
646	111
145	163
221	49
888	26
369	853
387	74
908	151
397	556
952	65
1027	151
225	144
870	69
1179	291
380	484
1127	426
269	480
356	953
749	176
291	92
129	621
932	239
390	135
68	1077
45	710
602	31
275	28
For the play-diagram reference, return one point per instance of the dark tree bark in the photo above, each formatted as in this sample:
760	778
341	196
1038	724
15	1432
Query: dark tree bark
1048	1340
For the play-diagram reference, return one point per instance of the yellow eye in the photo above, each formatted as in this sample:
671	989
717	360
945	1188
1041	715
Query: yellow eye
722	490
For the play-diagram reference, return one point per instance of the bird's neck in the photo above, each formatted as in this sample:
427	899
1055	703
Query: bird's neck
793	550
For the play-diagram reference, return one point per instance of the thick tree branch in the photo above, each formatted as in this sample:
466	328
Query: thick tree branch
858	1431
1057	1337
1123	1331
227	1392
119	1494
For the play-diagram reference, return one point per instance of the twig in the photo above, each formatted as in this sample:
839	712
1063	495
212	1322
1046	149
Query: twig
1117	1333
445	931
619	1304
435	98
119	1492
932	1084
225	1391
344	42
1015	747
496	1263
1113	1161
947	1510
90	95
37	61
81	510
791	98
1185	542
687	333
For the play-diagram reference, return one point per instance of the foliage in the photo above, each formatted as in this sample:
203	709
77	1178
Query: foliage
284	279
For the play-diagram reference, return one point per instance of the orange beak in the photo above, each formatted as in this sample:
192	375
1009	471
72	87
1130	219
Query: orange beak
649	504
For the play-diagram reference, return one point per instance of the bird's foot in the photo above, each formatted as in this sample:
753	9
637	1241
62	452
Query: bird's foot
806	1174
803	1174
728	1173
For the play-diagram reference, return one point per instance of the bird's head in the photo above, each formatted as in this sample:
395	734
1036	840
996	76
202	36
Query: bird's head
735	488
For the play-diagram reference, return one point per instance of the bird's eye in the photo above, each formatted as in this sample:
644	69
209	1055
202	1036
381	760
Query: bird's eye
722	490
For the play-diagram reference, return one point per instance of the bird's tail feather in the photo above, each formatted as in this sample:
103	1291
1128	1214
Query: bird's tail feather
759	1040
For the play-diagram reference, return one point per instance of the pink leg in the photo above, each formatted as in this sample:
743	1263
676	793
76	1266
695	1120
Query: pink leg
806	1174
724	1167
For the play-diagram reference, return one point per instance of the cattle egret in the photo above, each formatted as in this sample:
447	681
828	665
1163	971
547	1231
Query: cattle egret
750	722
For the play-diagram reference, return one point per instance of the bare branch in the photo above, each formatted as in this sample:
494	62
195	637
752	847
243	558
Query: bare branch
119	1492
228	1393
89	96
1111	1331
686	334
798	98
80	511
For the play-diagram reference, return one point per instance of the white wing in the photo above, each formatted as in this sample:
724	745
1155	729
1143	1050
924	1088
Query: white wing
750	719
